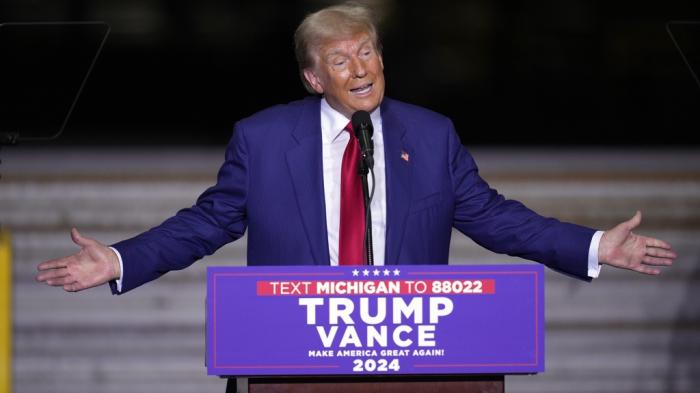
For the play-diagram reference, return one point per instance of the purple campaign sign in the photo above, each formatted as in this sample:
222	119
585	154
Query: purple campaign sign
323	320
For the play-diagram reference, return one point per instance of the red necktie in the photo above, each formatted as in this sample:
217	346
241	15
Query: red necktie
352	206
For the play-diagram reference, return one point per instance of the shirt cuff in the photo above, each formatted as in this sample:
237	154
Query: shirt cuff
121	269
593	264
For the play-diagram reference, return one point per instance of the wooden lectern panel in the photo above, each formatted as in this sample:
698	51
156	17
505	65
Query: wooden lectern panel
433	384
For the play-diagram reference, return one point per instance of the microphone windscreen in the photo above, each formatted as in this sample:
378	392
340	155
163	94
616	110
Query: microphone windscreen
361	120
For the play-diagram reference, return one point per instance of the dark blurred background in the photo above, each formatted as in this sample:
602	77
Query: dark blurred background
564	72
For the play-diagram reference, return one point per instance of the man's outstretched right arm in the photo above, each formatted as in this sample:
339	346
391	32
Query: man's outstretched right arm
218	217
95	264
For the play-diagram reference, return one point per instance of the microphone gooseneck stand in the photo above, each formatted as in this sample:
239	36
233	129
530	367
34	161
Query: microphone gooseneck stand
362	126
363	170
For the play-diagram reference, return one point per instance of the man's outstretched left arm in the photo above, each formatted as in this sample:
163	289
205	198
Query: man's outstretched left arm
624	249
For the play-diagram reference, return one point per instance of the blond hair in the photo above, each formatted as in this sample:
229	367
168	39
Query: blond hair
335	22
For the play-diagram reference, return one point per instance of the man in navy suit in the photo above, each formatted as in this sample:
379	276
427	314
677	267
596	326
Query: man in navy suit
280	182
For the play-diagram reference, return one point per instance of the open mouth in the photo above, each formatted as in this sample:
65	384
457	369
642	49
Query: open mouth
362	89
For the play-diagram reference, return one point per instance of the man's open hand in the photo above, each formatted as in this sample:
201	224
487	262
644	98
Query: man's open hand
621	248
95	264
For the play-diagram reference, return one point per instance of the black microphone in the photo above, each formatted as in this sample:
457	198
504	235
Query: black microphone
362	124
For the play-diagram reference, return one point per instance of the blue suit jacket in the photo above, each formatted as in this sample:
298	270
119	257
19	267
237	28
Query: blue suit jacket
271	185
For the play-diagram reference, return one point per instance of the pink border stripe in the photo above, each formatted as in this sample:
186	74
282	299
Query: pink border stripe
475	365
283	366
465	273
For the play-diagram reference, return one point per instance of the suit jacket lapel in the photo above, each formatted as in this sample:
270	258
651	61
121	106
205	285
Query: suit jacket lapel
305	164
398	180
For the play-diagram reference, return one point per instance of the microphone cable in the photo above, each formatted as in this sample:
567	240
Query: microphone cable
368	224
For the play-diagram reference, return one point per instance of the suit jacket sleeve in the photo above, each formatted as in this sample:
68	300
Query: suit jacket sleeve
507	226
217	218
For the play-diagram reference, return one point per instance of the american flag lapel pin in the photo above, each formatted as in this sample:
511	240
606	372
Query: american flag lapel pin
404	155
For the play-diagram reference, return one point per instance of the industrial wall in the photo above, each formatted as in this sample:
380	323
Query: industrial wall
623	332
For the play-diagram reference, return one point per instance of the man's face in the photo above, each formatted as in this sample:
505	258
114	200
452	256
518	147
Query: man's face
349	73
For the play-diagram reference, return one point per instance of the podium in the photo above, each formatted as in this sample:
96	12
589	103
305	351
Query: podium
427	328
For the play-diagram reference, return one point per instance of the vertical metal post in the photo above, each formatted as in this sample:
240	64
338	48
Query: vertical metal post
5	312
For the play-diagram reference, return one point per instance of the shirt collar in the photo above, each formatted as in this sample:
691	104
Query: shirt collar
333	122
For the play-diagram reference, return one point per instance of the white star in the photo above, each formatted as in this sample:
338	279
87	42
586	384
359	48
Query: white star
396	272
355	273
376	272
365	272
386	272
